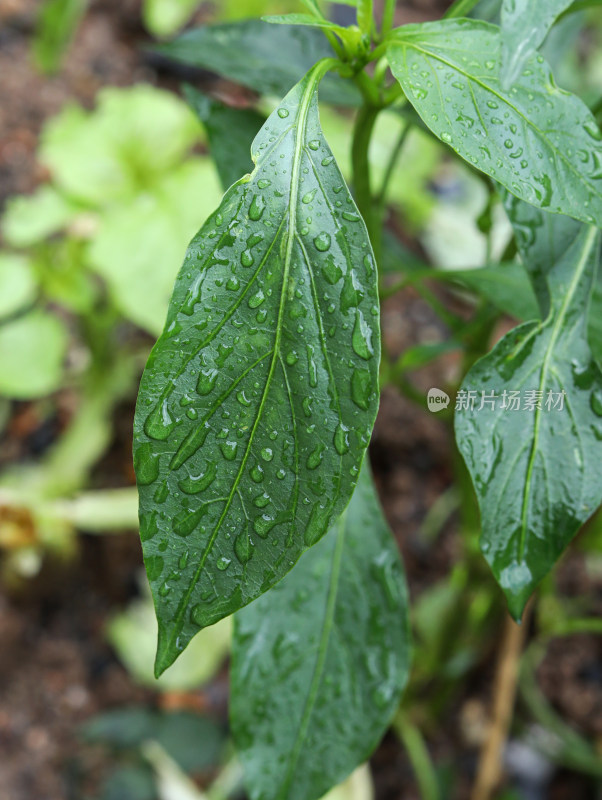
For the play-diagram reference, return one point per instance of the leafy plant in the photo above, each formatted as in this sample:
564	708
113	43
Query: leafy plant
257	403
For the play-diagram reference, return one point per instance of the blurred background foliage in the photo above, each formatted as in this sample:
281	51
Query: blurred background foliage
87	263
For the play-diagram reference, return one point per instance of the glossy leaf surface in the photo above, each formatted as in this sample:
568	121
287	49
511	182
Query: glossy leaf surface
320	661
536	470
525	24
540	142
267	58
230	132
259	398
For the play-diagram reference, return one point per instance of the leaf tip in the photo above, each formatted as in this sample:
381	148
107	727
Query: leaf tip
166	652
517	582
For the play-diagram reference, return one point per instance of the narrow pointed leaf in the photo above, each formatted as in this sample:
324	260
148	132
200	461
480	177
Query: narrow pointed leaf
250	52
540	142
536	469
320	661
259	398
301	19
525	24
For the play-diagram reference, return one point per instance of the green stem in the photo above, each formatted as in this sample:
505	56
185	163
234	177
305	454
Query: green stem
417	752
460	9
388	17
364	126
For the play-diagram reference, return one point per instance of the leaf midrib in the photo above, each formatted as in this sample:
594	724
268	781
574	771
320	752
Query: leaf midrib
290	233
578	274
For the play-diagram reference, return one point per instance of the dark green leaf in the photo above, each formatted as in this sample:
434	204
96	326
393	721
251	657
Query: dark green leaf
230	132
536	470
525	24
320	661
258	401
540	142
267	58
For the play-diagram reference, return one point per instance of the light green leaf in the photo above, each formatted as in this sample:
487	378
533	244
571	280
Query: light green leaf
250	52
365	11
56	25
18	286
30	219
140	244
165	17
525	24
133	634
535	470
230	132
258	401
301	19
32	350
320	661
540	142
117	151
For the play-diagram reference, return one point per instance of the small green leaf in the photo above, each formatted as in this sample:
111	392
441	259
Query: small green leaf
320	661
525	24
539	141
230	132
32	350
250	52
30	219
259	398
301	19
536	468
57	23
165	17
18	286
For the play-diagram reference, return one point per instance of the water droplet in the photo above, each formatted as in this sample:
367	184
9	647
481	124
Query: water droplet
257	474
148	526
316	525
283	113
146	464
322	242
291	358
193	484
159	422
596	402
313	370
350	217
446	137
592	130
341	439
206	381
332	272
361	388
314	459
256	208
262	500
263	183
161	493
307	198
246	258
229	449
257	299
263	525
314	144
267	454
154	567
328	160
243	548
223	563
281	474
243	399
361	338
186	521
190	445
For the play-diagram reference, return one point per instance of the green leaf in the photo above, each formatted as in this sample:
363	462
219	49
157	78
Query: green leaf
540	142
30	219
133	137
525	24
250	52
165	17
320	661
56	26
230	132
301	19
140	244
535	470
364	15
259	398
32	349
18	286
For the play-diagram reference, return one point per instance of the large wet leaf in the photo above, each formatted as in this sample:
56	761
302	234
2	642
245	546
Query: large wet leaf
540	142
267	58
258	401
525	24
320	661
536	468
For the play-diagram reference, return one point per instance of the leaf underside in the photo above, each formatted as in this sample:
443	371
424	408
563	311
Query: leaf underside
536	471
259	398
540	142
334	638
